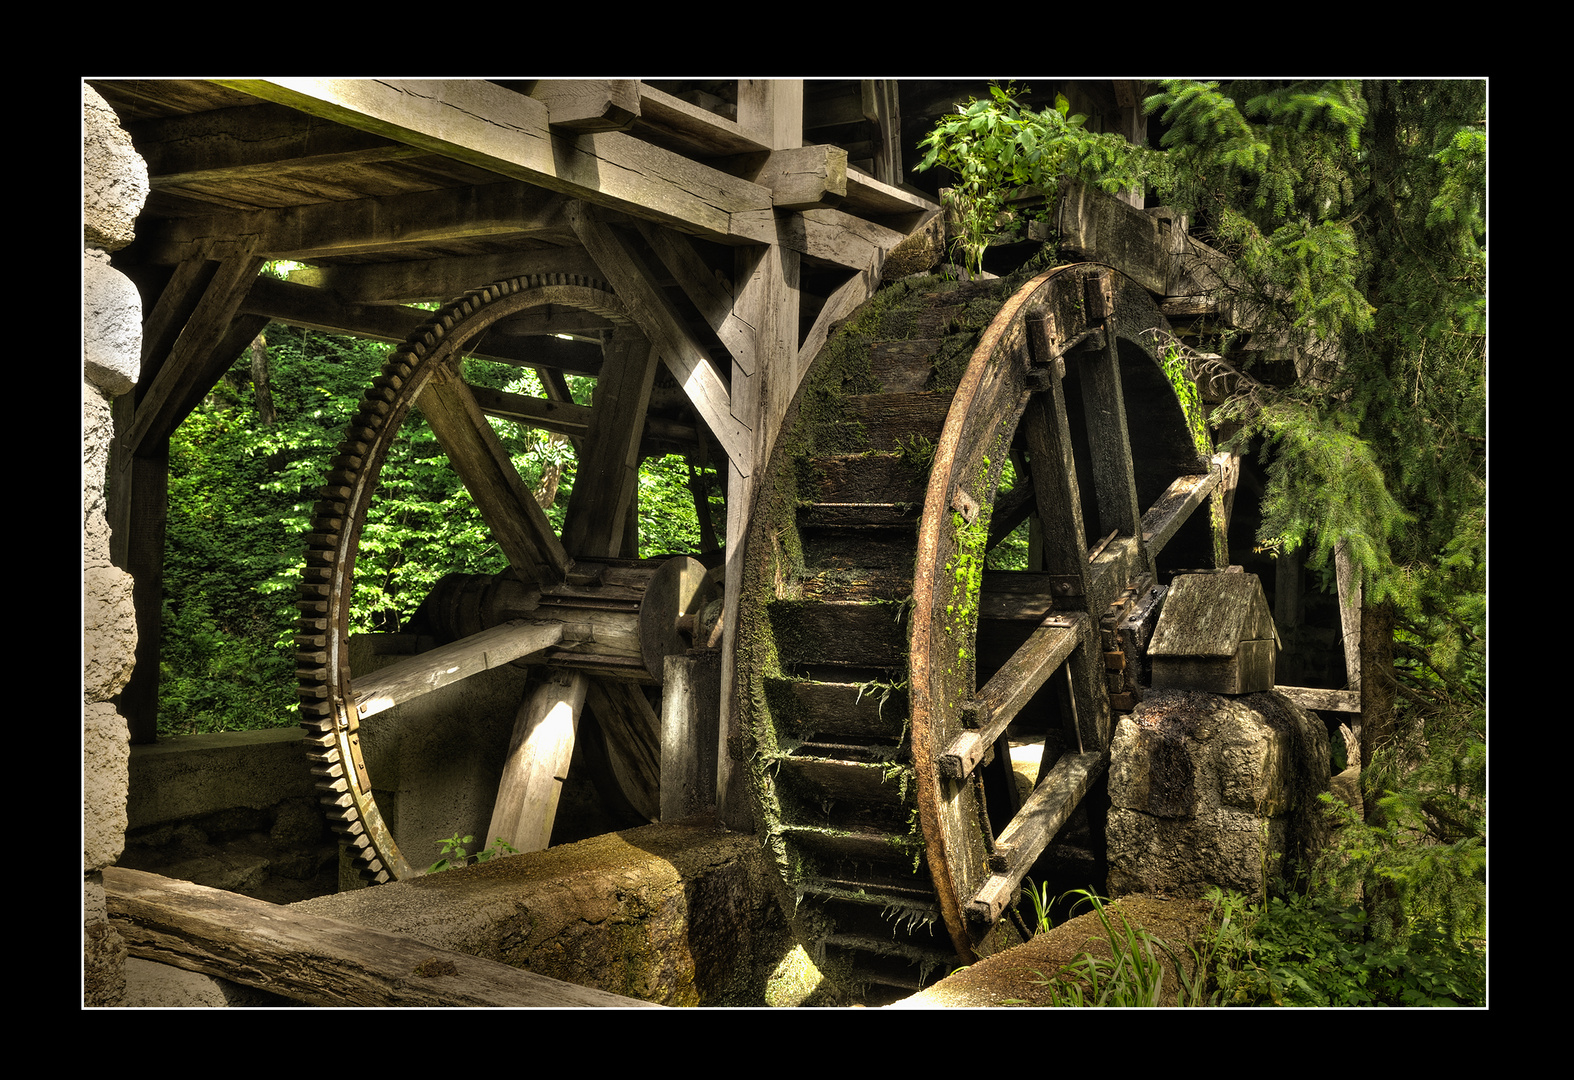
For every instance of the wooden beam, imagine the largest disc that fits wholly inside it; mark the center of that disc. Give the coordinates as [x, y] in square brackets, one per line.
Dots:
[709, 295]
[418, 675]
[636, 285]
[806, 177]
[439, 279]
[579, 105]
[320, 961]
[494, 128]
[632, 733]
[608, 476]
[252, 142]
[537, 762]
[1323, 700]
[479, 457]
[999, 700]
[363, 227]
[690, 705]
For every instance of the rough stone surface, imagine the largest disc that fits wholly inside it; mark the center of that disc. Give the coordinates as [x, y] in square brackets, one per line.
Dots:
[111, 326]
[151, 985]
[675, 914]
[114, 177]
[105, 753]
[103, 949]
[109, 631]
[1210, 791]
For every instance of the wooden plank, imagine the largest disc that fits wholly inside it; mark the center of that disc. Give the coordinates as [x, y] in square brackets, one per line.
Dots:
[253, 142]
[1031, 830]
[842, 302]
[1000, 699]
[493, 127]
[537, 762]
[318, 960]
[439, 279]
[483, 463]
[192, 356]
[838, 238]
[712, 298]
[1165, 517]
[421, 674]
[1109, 440]
[648, 305]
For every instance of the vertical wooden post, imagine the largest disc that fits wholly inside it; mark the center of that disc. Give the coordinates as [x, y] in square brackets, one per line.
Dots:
[766, 298]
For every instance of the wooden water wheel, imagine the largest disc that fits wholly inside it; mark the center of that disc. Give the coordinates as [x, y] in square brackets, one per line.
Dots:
[884, 672]
[603, 624]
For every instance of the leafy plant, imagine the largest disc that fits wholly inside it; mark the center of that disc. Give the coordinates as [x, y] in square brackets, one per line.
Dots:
[997, 147]
[455, 852]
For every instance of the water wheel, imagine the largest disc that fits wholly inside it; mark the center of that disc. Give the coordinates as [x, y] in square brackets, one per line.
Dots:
[884, 671]
[601, 624]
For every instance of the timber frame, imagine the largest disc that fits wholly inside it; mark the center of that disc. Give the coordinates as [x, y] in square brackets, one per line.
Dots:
[737, 221]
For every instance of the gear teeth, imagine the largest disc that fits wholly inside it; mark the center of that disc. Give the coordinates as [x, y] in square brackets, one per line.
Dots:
[334, 535]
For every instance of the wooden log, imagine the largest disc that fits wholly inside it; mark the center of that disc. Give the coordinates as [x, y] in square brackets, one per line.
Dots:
[409, 679]
[538, 757]
[317, 960]
[1325, 700]
[1109, 438]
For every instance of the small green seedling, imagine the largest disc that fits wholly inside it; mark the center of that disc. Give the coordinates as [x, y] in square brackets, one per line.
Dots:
[456, 853]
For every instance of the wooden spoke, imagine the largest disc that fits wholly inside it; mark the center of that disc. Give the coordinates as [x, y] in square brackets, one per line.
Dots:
[484, 464]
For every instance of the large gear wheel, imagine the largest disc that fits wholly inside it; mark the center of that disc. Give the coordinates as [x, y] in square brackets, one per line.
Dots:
[884, 672]
[544, 577]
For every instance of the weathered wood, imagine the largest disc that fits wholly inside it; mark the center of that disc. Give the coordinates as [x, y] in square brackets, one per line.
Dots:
[505, 132]
[253, 143]
[838, 633]
[482, 462]
[1164, 518]
[438, 279]
[710, 296]
[193, 359]
[1000, 699]
[637, 287]
[1324, 700]
[806, 177]
[537, 762]
[608, 475]
[1109, 439]
[317, 960]
[365, 227]
[1031, 830]
[892, 420]
[1349, 584]
[575, 105]
[410, 678]
[632, 734]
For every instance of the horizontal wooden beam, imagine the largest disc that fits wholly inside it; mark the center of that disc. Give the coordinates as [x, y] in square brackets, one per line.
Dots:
[439, 279]
[495, 128]
[1162, 520]
[254, 142]
[314, 959]
[362, 227]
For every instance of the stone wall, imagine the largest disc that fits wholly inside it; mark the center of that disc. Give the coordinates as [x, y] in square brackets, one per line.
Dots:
[115, 185]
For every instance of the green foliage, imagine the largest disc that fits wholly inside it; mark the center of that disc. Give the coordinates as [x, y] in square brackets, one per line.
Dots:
[997, 147]
[1316, 950]
[455, 853]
